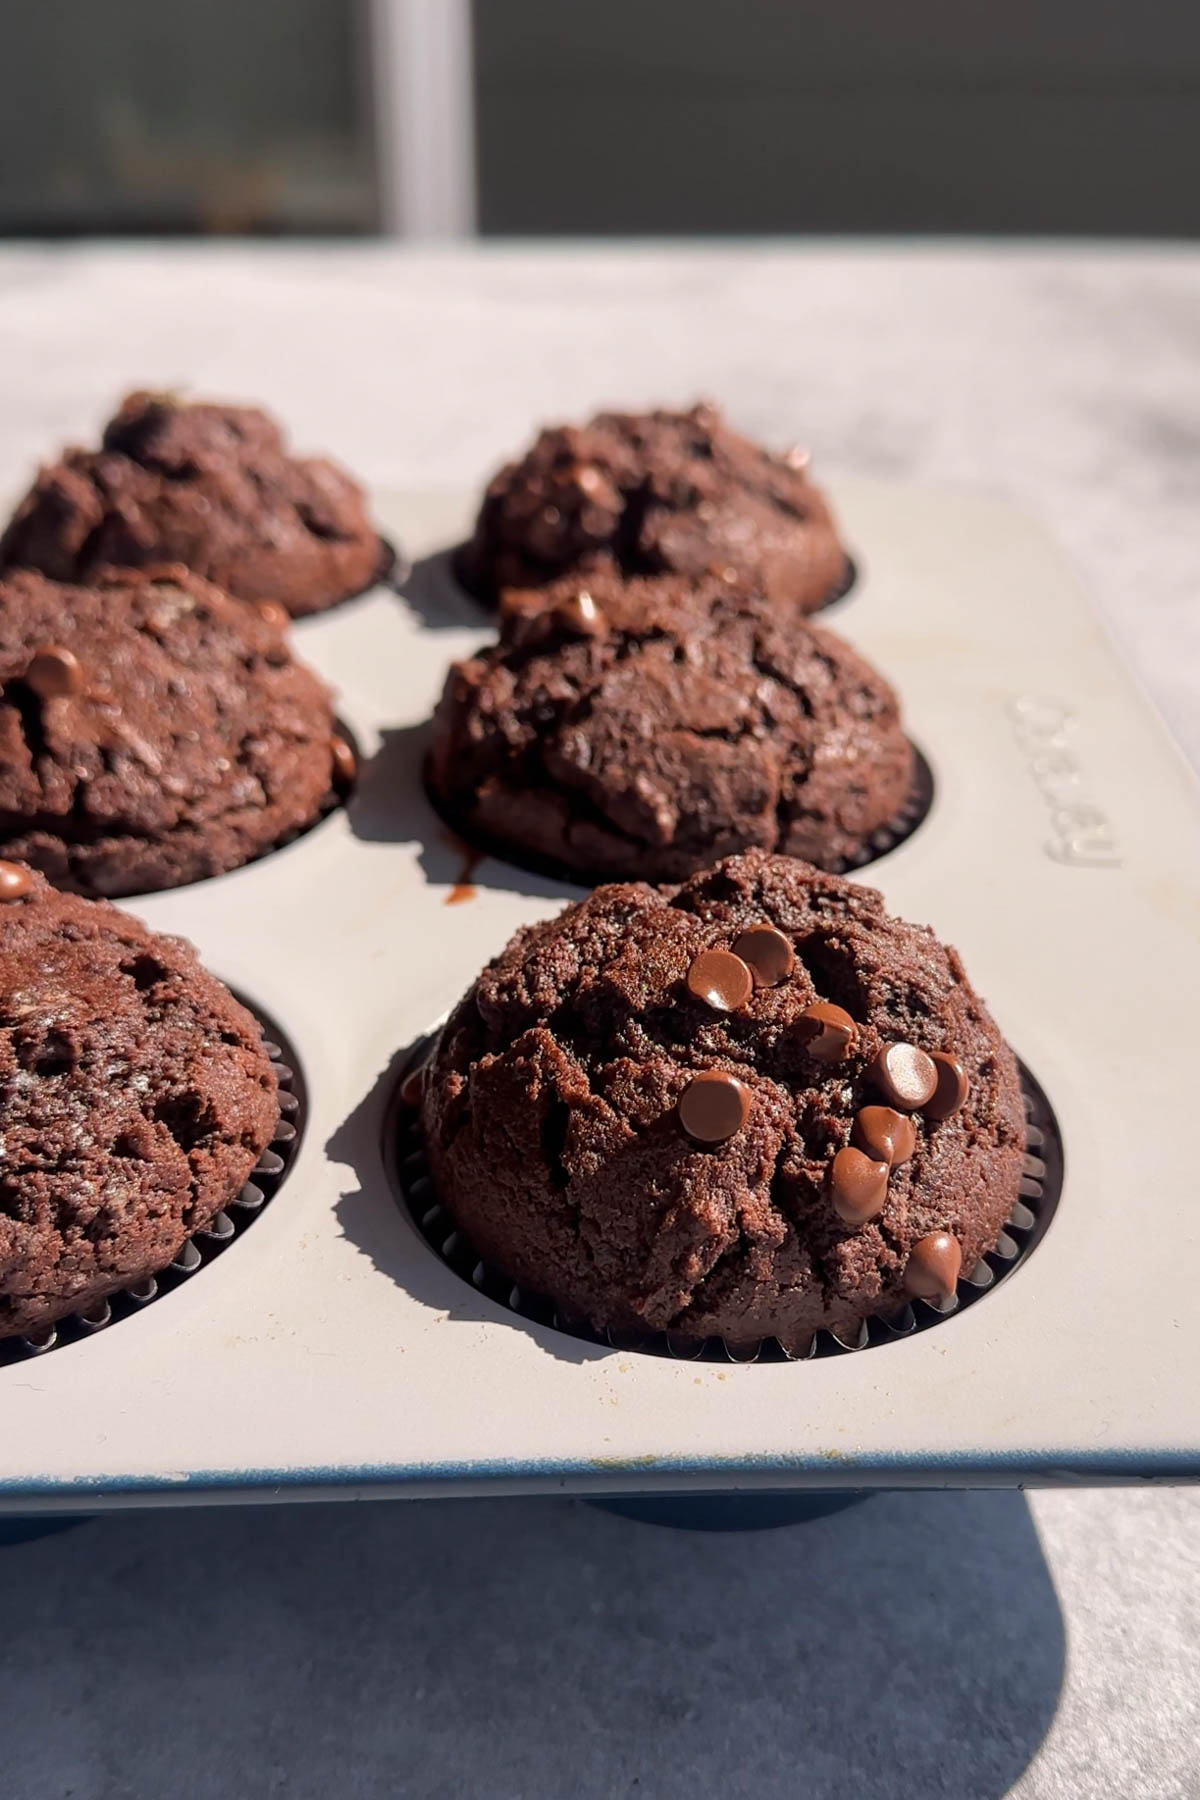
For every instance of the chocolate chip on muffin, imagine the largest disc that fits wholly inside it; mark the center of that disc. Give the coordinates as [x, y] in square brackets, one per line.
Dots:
[212, 487]
[687, 720]
[135, 1099]
[609, 1138]
[152, 731]
[652, 493]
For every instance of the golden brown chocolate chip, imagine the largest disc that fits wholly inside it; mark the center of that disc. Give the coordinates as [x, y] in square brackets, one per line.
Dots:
[713, 1106]
[579, 614]
[720, 979]
[273, 613]
[15, 880]
[933, 1266]
[345, 764]
[886, 1134]
[904, 1075]
[54, 673]
[857, 1186]
[828, 1030]
[952, 1087]
[767, 953]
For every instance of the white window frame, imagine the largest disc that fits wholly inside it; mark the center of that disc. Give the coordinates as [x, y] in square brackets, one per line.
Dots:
[423, 96]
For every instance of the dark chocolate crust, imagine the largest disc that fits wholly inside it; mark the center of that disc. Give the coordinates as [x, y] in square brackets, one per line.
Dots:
[194, 740]
[652, 493]
[549, 1111]
[213, 487]
[135, 1099]
[684, 721]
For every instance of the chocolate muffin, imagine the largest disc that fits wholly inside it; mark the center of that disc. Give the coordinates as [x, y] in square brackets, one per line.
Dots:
[152, 731]
[754, 1106]
[213, 487]
[135, 1099]
[648, 493]
[645, 727]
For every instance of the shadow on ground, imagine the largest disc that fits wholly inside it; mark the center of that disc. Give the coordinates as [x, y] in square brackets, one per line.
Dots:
[391, 806]
[528, 1650]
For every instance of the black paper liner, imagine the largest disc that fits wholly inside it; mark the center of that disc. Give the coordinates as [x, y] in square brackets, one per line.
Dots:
[394, 566]
[911, 816]
[206, 1245]
[886, 838]
[392, 569]
[845, 585]
[1040, 1190]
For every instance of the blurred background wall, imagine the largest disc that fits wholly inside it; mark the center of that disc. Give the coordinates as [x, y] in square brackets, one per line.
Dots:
[839, 115]
[661, 116]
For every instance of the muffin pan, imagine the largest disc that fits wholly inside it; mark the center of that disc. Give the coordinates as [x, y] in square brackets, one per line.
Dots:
[330, 1350]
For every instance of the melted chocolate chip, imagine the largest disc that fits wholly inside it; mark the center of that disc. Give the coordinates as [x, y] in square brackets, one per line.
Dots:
[767, 953]
[828, 1030]
[952, 1087]
[886, 1134]
[273, 613]
[413, 1086]
[904, 1075]
[713, 1106]
[720, 979]
[857, 1186]
[933, 1266]
[580, 615]
[54, 673]
[15, 880]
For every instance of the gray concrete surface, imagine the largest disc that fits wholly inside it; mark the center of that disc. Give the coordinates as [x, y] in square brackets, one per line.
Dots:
[965, 1646]
[535, 1650]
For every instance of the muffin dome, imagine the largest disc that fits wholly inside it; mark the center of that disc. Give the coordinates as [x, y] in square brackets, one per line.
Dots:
[619, 1125]
[152, 731]
[212, 487]
[643, 728]
[135, 1099]
[648, 493]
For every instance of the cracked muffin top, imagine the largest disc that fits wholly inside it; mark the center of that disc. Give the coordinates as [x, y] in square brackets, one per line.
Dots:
[754, 1106]
[135, 1099]
[652, 493]
[210, 486]
[152, 731]
[643, 728]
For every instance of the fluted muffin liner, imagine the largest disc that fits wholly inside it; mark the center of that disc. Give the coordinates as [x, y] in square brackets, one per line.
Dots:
[205, 1245]
[392, 570]
[912, 813]
[1038, 1196]
[341, 790]
[841, 590]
